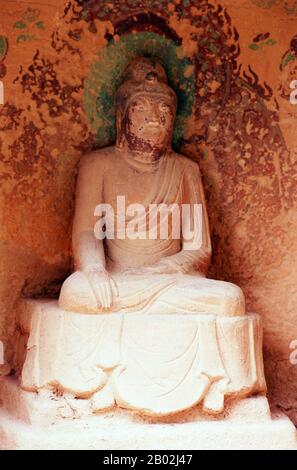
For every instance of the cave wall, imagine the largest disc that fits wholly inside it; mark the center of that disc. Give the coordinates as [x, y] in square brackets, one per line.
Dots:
[231, 64]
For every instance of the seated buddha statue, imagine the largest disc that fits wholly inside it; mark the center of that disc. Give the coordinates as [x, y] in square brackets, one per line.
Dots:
[141, 273]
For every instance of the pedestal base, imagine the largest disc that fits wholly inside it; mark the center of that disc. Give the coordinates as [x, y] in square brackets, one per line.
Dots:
[155, 364]
[116, 432]
[116, 382]
[31, 421]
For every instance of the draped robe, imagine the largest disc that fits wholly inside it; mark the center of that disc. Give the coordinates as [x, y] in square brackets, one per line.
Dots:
[183, 287]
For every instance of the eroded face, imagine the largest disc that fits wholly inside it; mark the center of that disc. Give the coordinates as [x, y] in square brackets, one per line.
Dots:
[149, 122]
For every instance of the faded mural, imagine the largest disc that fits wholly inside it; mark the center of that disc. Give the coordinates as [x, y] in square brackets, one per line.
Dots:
[231, 65]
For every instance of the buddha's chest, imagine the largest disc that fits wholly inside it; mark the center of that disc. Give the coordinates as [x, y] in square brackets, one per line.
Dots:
[138, 188]
[135, 188]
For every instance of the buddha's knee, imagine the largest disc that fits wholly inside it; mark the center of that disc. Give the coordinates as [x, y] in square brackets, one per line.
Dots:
[76, 294]
[234, 302]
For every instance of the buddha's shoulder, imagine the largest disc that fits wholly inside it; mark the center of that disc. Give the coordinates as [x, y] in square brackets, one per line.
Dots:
[185, 163]
[98, 159]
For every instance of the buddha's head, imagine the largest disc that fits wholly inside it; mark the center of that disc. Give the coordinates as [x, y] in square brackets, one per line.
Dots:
[145, 108]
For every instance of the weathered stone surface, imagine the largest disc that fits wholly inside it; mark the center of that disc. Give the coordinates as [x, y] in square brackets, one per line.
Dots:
[156, 364]
[250, 181]
[28, 422]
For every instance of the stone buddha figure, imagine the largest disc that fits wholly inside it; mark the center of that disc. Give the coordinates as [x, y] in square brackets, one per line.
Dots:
[141, 273]
[138, 325]
[140, 347]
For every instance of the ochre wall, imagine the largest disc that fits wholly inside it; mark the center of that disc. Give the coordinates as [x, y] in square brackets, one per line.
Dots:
[231, 64]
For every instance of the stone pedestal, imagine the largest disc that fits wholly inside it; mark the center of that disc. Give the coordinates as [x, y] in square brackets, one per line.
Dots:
[45, 421]
[155, 364]
[129, 381]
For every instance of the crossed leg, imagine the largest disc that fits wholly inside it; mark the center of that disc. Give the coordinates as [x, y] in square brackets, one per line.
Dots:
[157, 294]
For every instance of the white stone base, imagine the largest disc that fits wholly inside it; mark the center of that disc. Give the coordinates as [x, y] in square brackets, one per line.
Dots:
[155, 364]
[31, 421]
[116, 432]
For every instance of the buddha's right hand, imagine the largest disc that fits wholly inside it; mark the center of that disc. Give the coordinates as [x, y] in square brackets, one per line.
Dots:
[103, 286]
